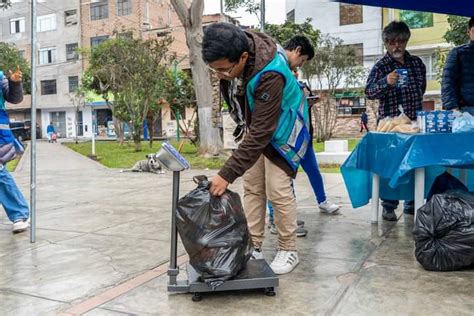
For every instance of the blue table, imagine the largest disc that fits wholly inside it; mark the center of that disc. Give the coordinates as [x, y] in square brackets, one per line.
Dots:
[398, 166]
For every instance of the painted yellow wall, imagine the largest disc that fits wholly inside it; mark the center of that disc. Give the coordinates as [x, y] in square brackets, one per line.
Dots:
[424, 36]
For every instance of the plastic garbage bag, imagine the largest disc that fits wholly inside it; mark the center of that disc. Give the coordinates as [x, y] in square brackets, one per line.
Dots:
[445, 182]
[214, 233]
[463, 122]
[444, 232]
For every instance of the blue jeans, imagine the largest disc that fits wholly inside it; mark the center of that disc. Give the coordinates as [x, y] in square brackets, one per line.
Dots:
[11, 197]
[310, 166]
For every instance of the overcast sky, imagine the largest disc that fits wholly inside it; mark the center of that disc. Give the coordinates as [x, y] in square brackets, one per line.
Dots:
[275, 13]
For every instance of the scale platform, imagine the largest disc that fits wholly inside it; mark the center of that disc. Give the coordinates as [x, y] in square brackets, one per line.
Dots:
[257, 275]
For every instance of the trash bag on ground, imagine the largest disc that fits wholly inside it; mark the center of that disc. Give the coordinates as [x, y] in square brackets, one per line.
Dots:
[214, 233]
[445, 182]
[444, 232]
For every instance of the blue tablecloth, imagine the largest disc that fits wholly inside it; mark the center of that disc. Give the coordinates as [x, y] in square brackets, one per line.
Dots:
[394, 157]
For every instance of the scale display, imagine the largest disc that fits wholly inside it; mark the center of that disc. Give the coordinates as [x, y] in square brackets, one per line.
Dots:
[171, 159]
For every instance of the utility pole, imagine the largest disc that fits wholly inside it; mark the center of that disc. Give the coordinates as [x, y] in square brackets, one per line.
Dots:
[33, 125]
[262, 16]
[222, 10]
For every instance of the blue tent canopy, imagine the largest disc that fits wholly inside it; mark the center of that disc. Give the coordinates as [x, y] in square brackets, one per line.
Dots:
[455, 7]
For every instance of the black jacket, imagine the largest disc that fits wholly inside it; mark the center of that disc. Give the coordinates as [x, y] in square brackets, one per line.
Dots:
[457, 88]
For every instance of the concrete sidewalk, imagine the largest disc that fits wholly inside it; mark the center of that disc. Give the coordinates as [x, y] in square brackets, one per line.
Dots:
[103, 246]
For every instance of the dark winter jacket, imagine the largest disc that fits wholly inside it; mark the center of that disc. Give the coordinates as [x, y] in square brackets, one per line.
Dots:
[457, 88]
[263, 120]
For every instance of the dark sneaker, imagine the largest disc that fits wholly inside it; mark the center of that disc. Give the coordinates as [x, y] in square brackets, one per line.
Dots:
[301, 232]
[300, 223]
[389, 215]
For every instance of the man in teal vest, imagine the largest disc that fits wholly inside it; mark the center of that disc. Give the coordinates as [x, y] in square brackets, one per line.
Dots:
[11, 197]
[271, 113]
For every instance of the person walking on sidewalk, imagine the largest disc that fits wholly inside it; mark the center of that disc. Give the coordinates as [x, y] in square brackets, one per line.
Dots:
[262, 92]
[50, 131]
[398, 79]
[11, 197]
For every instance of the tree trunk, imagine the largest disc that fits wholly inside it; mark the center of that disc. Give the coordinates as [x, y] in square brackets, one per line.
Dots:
[119, 132]
[137, 141]
[191, 18]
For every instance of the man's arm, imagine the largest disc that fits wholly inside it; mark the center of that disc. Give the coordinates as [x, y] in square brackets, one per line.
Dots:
[268, 97]
[449, 85]
[377, 85]
[12, 89]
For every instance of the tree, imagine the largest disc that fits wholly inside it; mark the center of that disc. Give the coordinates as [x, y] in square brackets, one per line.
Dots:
[334, 67]
[456, 35]
[78, 98]
[130, 69]
[282, 33]
[191, 19]
[457, 32]
[10, 58]
[251, 6]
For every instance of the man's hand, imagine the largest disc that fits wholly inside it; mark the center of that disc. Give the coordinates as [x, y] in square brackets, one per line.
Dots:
[218, 185]
[392, 78]
[16, 76]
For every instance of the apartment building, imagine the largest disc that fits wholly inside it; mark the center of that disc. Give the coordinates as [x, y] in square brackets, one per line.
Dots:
[59, 66]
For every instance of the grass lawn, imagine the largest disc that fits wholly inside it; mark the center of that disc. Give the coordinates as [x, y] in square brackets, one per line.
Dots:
[112, 155]
[12, 165]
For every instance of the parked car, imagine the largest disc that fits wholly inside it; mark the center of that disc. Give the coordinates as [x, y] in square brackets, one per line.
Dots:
[20, 131]
[38, 129]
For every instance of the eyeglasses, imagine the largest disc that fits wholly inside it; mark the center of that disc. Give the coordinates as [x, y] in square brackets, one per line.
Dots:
[221, 71]
[397, 41]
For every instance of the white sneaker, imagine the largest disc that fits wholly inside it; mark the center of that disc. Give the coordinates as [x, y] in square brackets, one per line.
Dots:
[257, 254]
[328, 207]
[20, 226]
[284, 262]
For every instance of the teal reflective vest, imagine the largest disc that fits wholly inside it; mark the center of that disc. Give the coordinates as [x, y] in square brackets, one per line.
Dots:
[291, 137]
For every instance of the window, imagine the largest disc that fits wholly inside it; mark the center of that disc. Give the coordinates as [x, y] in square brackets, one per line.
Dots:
[124, 7]
[350, 14]
[416, 20]
[48, 87]
[98, 39]
[349, 104]
[99, 10]
[430, 64]
[73, 83]
[71, 51]
[21, 53]
[47, 55]
[290, 16]
[17, 25]
[70, 17]
[46, 23]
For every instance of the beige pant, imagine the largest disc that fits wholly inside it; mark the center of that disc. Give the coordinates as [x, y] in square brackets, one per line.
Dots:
[263, 181]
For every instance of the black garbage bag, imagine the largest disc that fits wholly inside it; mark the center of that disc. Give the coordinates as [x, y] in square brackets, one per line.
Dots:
[444, 232]
[445, 182]
[214, 233]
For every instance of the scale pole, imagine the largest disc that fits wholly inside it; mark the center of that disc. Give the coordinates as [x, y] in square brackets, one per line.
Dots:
[173, 269]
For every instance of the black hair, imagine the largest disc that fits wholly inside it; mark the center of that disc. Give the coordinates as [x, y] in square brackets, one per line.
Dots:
[396, 30]
[471, 22]
[303, 42]
[223, 41]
